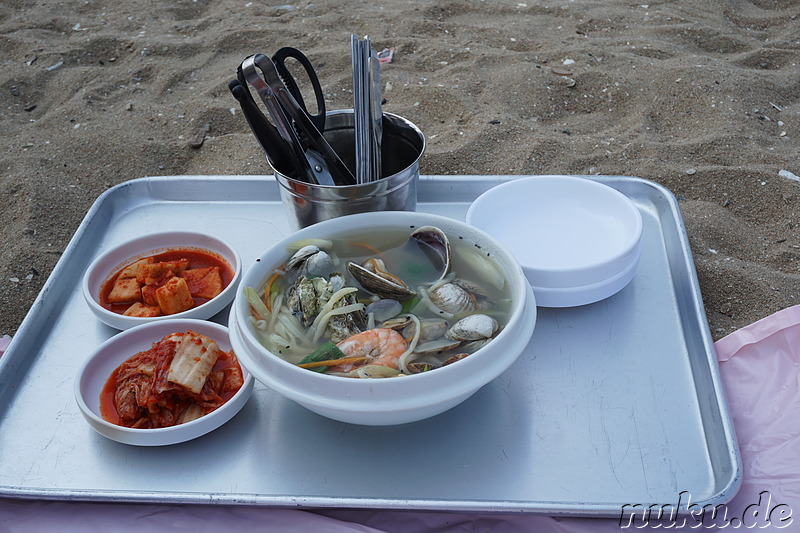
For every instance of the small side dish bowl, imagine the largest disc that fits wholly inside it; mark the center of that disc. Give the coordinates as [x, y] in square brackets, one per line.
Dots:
[98, 367]
[390, 400]
[108, 263]
[578, 240]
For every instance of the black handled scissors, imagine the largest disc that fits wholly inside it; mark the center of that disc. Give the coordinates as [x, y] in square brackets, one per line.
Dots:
[279, 59]
[314, 161]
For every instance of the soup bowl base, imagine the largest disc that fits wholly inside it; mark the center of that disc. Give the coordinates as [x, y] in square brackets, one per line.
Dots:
[374, 409]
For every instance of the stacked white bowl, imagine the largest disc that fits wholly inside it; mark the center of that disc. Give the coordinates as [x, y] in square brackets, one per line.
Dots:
[578, 241]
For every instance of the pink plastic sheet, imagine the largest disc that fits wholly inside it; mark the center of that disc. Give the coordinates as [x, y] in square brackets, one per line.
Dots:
[760, 366]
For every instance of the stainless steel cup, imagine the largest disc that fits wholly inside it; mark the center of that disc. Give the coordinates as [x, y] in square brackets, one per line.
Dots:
[402, 147]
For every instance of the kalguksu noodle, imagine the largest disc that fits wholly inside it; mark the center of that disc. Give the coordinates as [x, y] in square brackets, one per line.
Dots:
[380, 303]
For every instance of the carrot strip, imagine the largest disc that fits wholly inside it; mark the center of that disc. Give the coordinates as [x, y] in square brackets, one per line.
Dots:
[369, 247]
[268, 290]
[335, 362]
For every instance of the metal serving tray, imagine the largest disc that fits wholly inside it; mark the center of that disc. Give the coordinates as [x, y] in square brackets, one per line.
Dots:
[614, 403]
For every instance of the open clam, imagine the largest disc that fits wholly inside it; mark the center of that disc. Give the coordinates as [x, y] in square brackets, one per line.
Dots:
[437, 243]
[375, 278]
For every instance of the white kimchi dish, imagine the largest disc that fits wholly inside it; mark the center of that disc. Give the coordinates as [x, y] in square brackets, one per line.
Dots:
[95, 372]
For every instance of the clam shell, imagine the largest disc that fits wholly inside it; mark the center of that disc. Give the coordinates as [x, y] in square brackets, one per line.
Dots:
[474, 346]
[431, 329]
[436, 347]
[454, 359]
[384, 309]
[417, 367]
[438, 243]
[452, 298]
[473, 328]
[471, 287]
[397, 323]
[309, 260]
[373, 276]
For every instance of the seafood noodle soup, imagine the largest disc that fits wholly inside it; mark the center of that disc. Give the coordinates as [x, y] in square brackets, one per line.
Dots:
[381, 302]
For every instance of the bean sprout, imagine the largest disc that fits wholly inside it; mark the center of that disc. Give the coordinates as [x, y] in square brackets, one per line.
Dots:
[277, 303]
[292, 325]
[442, 281]
[403, 360]
[338, 295]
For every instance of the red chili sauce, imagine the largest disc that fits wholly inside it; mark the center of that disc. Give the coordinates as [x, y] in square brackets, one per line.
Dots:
[197, 258]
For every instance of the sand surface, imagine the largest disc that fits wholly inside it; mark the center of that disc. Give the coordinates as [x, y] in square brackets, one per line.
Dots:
[699, 96]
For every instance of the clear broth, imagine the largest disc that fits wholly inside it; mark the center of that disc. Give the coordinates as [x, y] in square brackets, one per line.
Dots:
[416, 264]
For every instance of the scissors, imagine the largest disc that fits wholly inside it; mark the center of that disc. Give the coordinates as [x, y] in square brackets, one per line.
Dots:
[302, 147]
[279, 59]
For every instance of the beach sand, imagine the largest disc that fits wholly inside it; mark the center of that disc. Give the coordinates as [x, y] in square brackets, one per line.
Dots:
[699, 96]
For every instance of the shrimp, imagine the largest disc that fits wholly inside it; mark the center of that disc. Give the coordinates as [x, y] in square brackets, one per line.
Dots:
[382, 345]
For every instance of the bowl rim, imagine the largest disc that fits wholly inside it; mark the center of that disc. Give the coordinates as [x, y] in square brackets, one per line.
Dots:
[260, 268]
[143, 334]
[626, 251]
[206, 310]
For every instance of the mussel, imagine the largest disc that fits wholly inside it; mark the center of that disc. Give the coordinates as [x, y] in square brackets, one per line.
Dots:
[306, 297]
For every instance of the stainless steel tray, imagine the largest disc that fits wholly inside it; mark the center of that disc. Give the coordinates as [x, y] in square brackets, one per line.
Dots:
[613, 403]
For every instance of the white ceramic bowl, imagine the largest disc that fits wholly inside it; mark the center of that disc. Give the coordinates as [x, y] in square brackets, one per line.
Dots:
[95, 371]
[393, 400]
[578, 241]
[108, 263]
